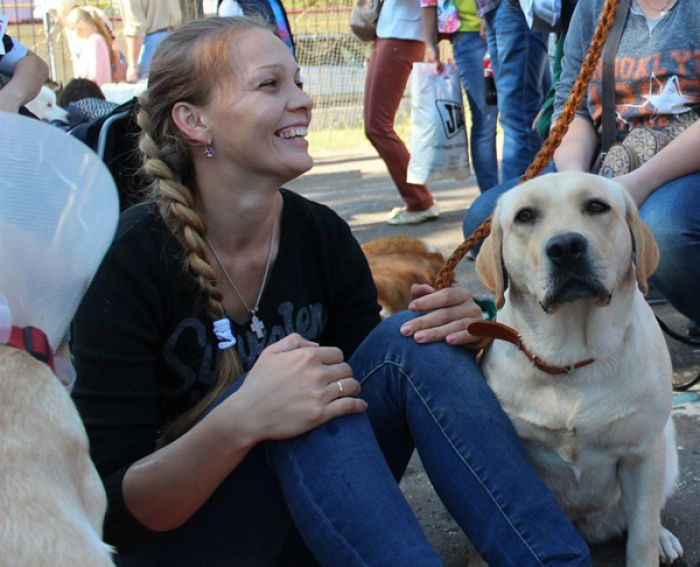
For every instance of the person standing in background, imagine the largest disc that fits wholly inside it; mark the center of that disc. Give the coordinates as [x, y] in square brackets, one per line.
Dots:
[399, 44]
[521, 69]
[460, 22]
[146, 24]
[90, 47]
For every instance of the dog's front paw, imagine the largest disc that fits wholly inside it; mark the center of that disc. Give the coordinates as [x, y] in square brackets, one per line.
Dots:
[670, 548]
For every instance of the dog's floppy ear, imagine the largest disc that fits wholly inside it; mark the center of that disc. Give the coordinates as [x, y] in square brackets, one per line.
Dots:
[489, 263]
[645, 251]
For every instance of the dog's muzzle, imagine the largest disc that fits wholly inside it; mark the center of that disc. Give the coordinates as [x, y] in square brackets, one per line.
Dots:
[571, 274]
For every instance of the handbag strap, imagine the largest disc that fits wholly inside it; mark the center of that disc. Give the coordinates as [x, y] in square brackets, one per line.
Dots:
[609, 52]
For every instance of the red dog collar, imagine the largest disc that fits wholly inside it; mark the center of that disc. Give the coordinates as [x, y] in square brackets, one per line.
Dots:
[33, 341]
[496, 330]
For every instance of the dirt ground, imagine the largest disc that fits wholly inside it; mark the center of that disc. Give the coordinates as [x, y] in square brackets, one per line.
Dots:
[358, 187]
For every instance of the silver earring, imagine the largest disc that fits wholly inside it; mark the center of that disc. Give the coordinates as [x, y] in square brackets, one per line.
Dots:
[208, 151]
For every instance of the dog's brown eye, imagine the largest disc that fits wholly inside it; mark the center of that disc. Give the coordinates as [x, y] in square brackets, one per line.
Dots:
[594, 206]
[525, 215]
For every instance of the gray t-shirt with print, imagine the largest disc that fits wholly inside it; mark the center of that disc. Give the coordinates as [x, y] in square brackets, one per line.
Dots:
[657, 66]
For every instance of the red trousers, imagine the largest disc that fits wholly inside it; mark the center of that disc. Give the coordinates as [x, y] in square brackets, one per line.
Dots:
[388, 70]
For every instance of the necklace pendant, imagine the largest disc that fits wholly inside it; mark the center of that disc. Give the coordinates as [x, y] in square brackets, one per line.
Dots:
[257, 326]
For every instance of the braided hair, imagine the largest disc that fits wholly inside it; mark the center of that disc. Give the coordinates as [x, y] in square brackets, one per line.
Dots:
[188, 66]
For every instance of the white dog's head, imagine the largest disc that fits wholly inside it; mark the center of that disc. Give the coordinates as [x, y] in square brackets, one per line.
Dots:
[45, 107]
[565, 237]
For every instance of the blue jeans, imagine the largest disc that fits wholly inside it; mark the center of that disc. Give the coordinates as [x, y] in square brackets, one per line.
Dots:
[672, 212]
[469, 49]
[150, 43]
[333, 483]
[521, 69]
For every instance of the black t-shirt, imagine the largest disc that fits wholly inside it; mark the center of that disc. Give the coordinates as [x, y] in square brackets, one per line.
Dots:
[145, 352]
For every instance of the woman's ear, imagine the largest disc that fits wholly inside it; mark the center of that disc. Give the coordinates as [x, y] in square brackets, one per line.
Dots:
[192, 121]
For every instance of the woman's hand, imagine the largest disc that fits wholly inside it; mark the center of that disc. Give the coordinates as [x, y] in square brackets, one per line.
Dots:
[296, 385]
[432, 55]
[680, 157]
[448, 313]
[292, 388]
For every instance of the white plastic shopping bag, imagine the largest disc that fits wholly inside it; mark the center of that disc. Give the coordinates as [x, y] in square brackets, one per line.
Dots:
[438, 137]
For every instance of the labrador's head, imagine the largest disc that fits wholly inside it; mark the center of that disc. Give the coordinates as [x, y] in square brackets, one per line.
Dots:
[565, 237]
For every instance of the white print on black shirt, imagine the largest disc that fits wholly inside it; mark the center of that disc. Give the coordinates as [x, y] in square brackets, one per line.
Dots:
[308, 321]
[192, 339]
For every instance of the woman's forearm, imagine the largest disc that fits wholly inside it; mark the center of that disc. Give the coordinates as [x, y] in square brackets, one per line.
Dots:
[577, 148]
[165, 488]
[680, 157]
[429, 22]
[30, 73]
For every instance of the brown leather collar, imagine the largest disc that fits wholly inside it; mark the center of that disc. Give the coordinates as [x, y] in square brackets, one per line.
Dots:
[495, 330]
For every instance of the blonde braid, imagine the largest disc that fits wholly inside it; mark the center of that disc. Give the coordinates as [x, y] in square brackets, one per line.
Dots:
[176, 205]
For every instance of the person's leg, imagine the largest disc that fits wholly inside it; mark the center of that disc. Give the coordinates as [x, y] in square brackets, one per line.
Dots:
[344, 500]
[520, 66]
[469, 49]
[388, 69]
[435, 396]
[672, 212]
[332, 484]
[150, 42]
[483, 206]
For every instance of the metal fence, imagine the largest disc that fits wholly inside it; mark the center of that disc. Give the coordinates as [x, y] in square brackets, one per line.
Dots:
[333, 61]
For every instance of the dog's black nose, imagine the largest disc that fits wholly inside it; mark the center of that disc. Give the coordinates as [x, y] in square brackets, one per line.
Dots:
[566, 249]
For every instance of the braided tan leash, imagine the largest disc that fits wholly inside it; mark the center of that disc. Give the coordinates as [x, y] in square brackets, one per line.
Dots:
[556, 133]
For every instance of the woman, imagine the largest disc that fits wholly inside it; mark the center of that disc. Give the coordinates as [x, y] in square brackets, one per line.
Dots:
[91, 47]
[398, 46]
[211, 351]
[657, 83]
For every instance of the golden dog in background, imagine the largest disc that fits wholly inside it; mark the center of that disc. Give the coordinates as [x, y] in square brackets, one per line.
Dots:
[396, 263]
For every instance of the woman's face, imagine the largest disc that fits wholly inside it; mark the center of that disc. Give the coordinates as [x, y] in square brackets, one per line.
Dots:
[260, 116]
[82, 28]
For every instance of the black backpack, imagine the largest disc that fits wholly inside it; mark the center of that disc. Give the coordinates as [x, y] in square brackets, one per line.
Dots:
[115, 137]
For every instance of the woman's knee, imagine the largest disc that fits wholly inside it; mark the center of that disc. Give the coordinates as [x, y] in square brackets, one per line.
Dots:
[672, 213]
[386, 344]
[390, 328]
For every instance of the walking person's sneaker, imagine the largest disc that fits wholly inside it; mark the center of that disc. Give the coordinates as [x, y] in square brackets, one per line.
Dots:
[399, 215]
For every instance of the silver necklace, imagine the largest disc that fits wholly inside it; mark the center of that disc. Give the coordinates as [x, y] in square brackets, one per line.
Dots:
[256, 325]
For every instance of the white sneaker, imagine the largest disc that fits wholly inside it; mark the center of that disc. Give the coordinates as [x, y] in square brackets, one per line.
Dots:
[399, 215]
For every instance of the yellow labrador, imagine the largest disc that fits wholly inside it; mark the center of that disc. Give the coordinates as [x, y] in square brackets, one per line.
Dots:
[52, 502]
[589, 391]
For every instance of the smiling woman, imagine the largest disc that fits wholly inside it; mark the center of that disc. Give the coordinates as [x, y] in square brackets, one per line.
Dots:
[221, 347]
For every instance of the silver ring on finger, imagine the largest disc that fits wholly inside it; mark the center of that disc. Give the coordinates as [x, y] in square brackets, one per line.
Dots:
[340, 386]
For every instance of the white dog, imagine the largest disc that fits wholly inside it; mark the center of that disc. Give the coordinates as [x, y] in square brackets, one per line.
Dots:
[45, 107]
[588, 383]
